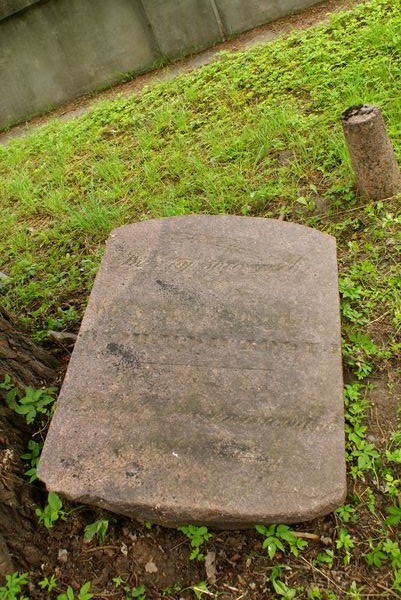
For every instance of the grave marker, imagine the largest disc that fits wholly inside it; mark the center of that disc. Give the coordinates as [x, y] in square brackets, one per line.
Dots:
[206, 383]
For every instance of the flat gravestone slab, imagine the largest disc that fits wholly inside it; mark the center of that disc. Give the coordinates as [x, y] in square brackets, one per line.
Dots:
[206, 384]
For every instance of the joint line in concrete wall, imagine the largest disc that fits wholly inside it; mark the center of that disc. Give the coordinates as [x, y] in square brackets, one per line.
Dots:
[151, 28]
[218, 19]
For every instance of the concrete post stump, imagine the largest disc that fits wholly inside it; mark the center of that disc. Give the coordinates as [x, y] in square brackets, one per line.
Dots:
[376, 170]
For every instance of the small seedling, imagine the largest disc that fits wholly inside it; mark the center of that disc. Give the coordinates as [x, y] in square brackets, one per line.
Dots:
[308, 203]
[48, 584]
[197, 536]
[283, 590]
[33, 455]
[393, 552]
[83, 593]
[12, 590]
[174, 588]
[138, 593]
[370, 500]
[386, 551]
[98, 529]
[345, 542]
[118, 581]
[392, 485]
[34, 402]
[362, 455]
[394, 456]
[201, 589]
[10, 389]
[326, 558]
[376, 557]
[278, 535]
[347, 513]
[52, 511]
[353, 592]
[394, 513]
[316, 594]
[367, 457]
[279, 586]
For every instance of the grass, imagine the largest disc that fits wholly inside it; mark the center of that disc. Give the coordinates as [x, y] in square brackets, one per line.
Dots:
[255, 133]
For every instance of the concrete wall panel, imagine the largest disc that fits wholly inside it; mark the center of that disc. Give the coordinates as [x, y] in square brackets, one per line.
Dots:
[10, 7]
[183, 26]
[55, 51]
[240, 15]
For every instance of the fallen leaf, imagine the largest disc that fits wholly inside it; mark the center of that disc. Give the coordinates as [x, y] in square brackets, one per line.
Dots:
[210, 566]
[150, 567]
[124, 549]
[327, 541]
[62, 555]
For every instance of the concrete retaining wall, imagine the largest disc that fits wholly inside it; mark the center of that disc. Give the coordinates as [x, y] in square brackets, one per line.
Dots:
[54, 50]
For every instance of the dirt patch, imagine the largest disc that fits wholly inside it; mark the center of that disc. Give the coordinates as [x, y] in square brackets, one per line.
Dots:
[385, 399]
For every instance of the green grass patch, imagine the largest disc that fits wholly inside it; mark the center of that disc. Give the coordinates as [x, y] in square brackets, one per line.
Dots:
[254, 133]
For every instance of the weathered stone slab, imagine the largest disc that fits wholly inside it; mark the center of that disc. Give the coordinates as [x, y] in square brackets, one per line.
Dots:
[206, 385]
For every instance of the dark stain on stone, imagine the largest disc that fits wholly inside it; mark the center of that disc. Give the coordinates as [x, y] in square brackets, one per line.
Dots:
[69, 462]
[237, 451]
[73, 467]
[132, 471]
[169, 288]
[126, 357]
[152, 400]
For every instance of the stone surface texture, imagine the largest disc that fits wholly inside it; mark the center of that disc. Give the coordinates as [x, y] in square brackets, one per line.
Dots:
[206, 383]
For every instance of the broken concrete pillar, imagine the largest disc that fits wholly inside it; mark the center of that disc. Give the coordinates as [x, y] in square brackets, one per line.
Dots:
[376, 170]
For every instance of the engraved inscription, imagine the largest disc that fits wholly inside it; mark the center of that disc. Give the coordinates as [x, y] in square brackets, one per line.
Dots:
[131, 258]
[225, 243]
[266, 345]
[212, 352]
[172, 289]
[214, 267]
[231, 418]
[277, 319]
